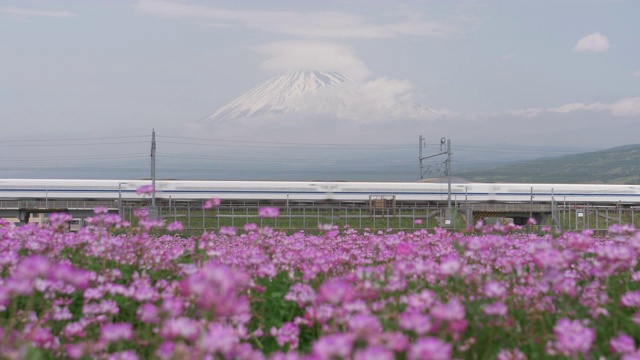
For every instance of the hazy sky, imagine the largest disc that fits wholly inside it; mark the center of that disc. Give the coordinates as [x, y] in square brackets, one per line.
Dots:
[564, 72]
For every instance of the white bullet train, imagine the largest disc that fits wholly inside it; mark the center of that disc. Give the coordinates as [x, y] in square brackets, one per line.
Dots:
[307, 191]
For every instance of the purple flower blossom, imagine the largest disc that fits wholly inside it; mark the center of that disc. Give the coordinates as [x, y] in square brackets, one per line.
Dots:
[181, 327]
[116, 332]
[572, 338]
[450, 265]
[100, 210]
[514, 354]
[430, 348]
[269, 212]
[172, 306]
[209, 204]
[148, 313]
[494, 289]
[622, 344]
[175, 226]
[364, 325]
[416, 322]
[287, 334]
[145, 190]
[123, 355]
[219, 339]
[58, 219]
[331, 346]
[499, 308]
[453, 310]
[165, 350]
[228, 231]
[374, 352]
[631, 299]
[301, 293]
[336, 291]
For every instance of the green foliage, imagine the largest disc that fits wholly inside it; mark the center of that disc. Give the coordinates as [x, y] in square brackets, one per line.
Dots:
[270, 309]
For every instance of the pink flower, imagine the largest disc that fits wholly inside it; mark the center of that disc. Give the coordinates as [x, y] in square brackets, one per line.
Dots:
[514, 354]
[123, 355]
[333, 346]
[364, 325]
[145, 189]
[336, 291]
[374, 352]
[494, 289]
[453, 310]
[572, 338]
[98, 210]
[287, 334]
[228, 230]
[180, 327]
[623, 344]
[417, 221]
[430, 348]
[172, 306]
[449, 265]
[498, 308]
[58, 219]
[249, 227]
[301, 293]
[631, 299]
[116, 332]
[75, 351]
[404, 248]
[175, 226]
[165, 350]
[415, 321]
[219, 339]
[148, 313]
[269, 212]
[211, 203]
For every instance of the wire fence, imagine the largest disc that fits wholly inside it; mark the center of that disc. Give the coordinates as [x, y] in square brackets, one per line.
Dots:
[404, 216]
[304, 217]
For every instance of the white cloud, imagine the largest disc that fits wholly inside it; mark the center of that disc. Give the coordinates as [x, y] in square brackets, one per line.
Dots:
[525, 113]
[319, 24]
[381, 99]
[595, 42]
[625, 107]
[20, 12]
[567, 108]
[289, 56]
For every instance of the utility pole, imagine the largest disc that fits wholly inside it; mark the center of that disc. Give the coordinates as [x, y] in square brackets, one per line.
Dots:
[153, 211]
[448, 171]
[420, 146]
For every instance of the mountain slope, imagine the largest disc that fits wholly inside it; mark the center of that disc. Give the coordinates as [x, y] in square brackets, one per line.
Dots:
[280, 94]
[620, 165]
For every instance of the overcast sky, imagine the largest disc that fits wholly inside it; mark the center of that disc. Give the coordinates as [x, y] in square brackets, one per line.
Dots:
[552, 73]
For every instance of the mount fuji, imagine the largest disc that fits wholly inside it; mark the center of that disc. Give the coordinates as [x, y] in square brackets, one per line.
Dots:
[323, 93]
[288, 93]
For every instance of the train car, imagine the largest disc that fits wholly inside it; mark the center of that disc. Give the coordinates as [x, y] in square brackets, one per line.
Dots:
[301, 191]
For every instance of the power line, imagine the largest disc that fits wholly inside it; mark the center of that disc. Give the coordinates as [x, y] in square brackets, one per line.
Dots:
[75, 139]
[281, 160]
[287, 144]
[66, 144]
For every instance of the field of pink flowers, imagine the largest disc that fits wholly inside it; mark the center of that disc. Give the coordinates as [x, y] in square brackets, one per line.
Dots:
[114, 291]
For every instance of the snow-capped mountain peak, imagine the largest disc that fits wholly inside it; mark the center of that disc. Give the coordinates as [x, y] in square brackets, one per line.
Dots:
[281, 94]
